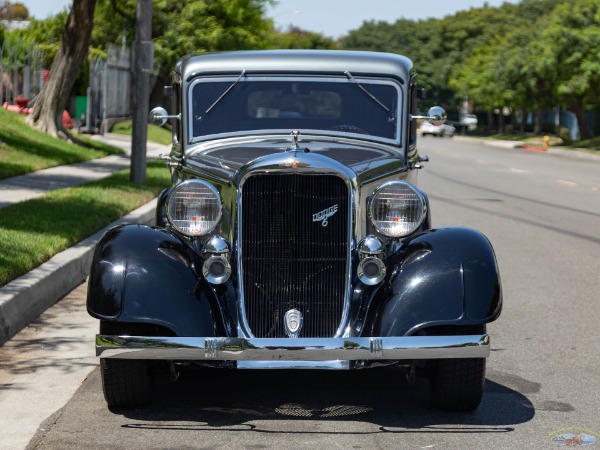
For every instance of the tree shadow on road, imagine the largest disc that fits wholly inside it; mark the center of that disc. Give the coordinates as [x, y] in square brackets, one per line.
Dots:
[240, 400]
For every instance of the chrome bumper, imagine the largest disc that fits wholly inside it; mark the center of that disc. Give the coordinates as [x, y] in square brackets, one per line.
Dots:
[301, 349]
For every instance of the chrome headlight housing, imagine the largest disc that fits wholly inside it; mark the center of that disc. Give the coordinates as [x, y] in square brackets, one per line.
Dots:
[397, 209]
[194, 207]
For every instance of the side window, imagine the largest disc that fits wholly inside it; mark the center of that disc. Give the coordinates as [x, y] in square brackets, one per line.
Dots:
[176, 108]
[412, 109]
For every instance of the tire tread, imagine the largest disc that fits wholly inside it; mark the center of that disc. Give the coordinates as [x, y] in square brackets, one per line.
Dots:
[458, 384]
[125, 382]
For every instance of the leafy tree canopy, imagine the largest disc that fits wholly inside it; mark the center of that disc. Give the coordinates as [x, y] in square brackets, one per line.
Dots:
[492, 55]
[297, 38]
[13, 11]
[535, 54]
[185, 27]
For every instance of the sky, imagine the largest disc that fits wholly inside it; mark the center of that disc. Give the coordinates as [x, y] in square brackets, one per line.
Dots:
[333, 18]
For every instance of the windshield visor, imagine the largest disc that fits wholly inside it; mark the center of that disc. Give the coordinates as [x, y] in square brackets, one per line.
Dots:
[247, 105]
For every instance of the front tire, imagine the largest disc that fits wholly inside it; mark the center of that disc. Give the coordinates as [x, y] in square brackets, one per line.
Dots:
[457, 384]
[125, 382]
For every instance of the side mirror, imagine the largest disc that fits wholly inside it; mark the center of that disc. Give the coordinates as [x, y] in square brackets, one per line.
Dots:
[436, 115]
[158, 116]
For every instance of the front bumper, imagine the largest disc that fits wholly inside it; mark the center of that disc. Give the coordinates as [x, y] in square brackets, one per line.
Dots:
[300, 349]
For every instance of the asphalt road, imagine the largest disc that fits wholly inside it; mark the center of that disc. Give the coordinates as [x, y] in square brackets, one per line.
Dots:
[541, 213]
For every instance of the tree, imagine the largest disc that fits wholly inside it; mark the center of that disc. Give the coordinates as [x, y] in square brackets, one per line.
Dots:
[572, 36]
[447, 50]
[405, 37]
[49, 106]
[47, 31]
[297, 38]
[511, 71]
[13, 11]
[184, 27]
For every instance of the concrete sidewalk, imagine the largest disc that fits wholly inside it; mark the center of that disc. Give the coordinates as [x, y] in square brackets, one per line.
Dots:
[25, 298]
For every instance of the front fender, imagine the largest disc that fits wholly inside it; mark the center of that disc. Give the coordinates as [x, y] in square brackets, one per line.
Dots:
[147, 275]
[445, 276]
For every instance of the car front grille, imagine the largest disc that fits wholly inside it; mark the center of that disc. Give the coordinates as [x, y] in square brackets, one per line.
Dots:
[290, 260]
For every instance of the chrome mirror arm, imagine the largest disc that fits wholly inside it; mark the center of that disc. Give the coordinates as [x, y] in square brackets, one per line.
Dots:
[436, 115]
[158, 116]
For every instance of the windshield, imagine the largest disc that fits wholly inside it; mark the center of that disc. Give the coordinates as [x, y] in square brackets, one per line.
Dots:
[367, 108]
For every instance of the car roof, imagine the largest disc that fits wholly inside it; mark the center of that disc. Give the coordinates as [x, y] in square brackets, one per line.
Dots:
[332, 62]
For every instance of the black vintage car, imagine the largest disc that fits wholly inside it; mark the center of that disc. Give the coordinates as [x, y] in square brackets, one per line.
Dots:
[294, 235]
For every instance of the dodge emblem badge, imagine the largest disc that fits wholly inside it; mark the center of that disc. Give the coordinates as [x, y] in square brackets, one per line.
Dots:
[322, 216]
[293, 323]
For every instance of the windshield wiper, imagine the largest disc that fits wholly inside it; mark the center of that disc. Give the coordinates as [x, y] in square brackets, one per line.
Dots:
[371, 96]
[226, 91]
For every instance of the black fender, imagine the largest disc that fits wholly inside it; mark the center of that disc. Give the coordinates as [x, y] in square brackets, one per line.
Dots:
[142, 274]
[444, 276]
[161, 208]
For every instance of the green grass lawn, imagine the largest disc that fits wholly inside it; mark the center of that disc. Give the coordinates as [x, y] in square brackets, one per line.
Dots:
[593, 144]
[156, 134]
[24, 150]
[590, 145]
[526, 138]
[33, 231]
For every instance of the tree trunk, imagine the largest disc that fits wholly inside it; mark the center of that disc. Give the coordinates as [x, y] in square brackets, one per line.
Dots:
[54, 97]
[580, 114]
[513, 121]
[537, 125]
[501, 122]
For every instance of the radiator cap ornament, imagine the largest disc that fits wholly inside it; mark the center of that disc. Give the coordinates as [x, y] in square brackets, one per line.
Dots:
[294, 164]
[293, 323]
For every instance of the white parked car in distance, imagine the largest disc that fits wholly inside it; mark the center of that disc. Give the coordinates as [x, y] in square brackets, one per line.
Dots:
[437, 130]
[470, 120]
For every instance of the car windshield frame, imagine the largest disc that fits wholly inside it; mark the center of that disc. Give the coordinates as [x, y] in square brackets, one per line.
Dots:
[225, 95]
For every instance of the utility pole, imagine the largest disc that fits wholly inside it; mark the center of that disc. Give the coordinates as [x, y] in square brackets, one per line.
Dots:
[142, 68]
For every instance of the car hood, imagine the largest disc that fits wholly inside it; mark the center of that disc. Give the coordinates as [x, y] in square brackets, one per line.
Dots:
[224, 159]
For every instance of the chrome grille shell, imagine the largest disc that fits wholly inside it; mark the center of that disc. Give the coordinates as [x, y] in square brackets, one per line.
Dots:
[307, 167]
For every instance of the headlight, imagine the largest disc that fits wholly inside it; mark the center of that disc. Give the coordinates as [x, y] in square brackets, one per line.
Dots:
[397, 208]
[194, 207]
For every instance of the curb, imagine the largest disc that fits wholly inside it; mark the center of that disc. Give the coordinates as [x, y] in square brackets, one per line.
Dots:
[532, 148]
[25, 298]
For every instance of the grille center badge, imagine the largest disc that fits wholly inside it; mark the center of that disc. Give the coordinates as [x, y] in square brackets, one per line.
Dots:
[293, 322]
[322, 216]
